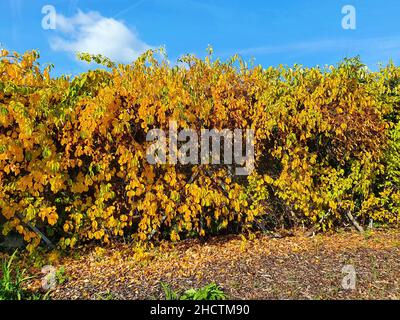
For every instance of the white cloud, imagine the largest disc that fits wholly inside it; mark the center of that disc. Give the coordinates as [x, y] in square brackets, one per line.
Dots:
[92, 33]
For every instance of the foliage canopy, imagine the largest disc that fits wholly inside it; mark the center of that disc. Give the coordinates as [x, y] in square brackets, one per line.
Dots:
[73, 150]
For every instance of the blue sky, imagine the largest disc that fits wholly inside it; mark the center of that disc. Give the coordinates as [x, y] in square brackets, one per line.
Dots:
[272, 32]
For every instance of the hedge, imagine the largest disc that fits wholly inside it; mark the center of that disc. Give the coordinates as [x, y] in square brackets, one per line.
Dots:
[73, 149]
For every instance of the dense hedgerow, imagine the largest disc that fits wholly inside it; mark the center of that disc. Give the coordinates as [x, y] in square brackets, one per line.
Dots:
[73, 150]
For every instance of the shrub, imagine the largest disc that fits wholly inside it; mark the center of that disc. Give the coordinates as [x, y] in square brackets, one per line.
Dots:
[210, 292]
[11, 283]
[73, 150]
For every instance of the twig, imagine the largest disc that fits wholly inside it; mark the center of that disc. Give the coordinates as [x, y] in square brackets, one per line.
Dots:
[314, 229]
[354, 222]
[38, 232]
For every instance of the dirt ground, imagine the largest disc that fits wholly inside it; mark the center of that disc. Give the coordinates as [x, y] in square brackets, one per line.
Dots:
[297, 267]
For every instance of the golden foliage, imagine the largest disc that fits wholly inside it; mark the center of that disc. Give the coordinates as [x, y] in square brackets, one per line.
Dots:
[73, 151]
